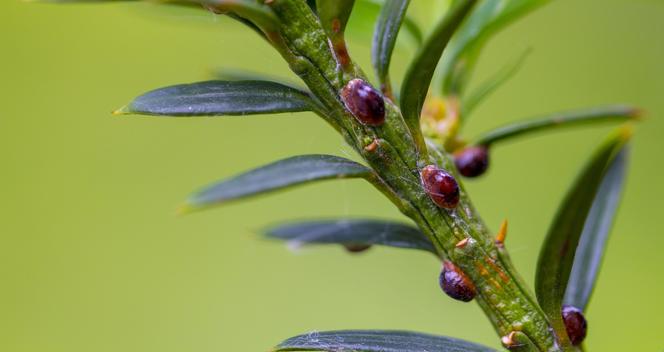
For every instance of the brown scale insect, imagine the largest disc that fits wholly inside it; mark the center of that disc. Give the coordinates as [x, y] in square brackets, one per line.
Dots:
[455, 283]
[441, 187]
[364, 102]
[356, 247]
[472, 161]
[575, 324]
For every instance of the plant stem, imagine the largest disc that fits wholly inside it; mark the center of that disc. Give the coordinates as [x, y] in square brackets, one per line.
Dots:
[391, 151]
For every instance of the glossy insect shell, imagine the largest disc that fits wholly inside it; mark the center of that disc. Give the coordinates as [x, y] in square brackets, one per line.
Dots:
[472, 161]
[455, 283]
[441, 187]
[575, 324]
[364, 102]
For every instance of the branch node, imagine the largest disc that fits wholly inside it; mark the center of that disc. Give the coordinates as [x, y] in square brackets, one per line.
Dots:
[462, 243]
[502, 233]
[371, 147]
[509, 340]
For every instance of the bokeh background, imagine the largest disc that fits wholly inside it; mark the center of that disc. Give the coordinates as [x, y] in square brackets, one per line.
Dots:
[93, 257]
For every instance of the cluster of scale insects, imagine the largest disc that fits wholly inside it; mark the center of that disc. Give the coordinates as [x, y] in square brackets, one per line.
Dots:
[367, 105]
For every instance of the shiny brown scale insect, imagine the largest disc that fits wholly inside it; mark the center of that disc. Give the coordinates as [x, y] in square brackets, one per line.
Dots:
[455, 283]
[364, 102]
[575, 324]
[441, 187]
[472, 161]
[356, 247]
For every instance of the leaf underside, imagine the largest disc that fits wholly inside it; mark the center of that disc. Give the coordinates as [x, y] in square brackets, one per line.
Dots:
[558, 250]
[362, 23]
[590, 251]
[420, 71]
[352, 232]
[235, 74]
[593, 116]
[377, 341]
[219, 98]
[385, 36]
[278, 175]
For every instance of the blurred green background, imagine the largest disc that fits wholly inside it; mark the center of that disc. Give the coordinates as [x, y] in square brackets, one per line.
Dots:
[93, 257]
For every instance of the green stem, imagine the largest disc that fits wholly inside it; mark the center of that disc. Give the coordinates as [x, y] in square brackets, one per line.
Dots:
[393, 154]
